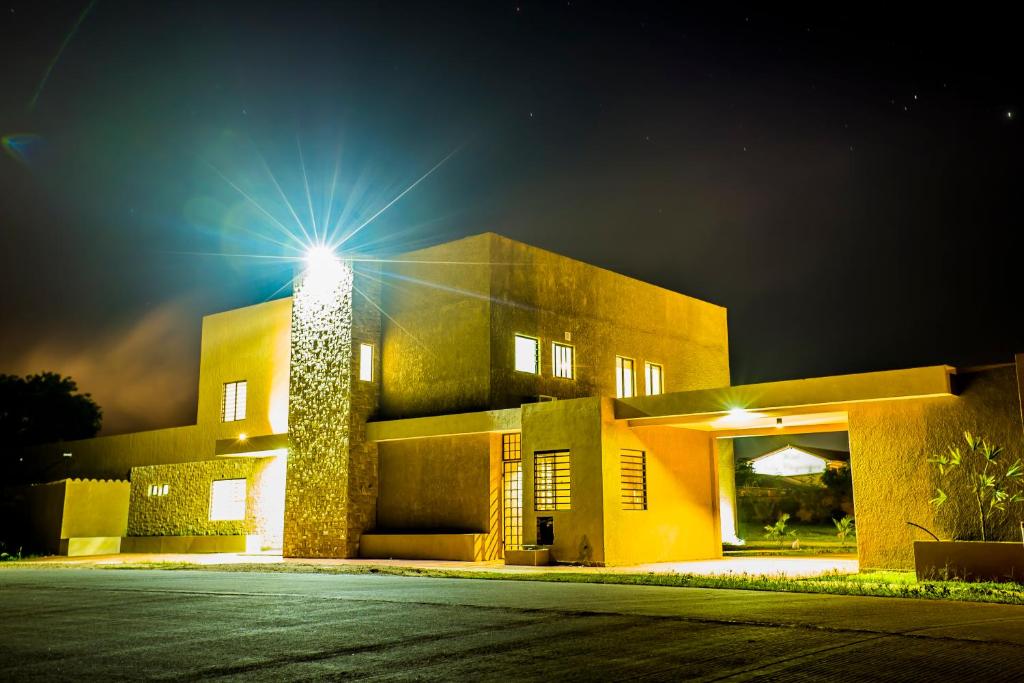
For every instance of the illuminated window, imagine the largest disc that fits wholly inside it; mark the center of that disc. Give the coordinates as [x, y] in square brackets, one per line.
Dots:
[227, 499]
[625, 377]
[366, 362]
[634, 479]
[159, 489]
[512, 490]
[233, 401]
[562, 361]
[655, 376]
[551, 481]
[527, 354]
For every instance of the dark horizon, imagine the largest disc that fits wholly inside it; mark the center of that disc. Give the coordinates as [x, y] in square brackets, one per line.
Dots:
[845, 184]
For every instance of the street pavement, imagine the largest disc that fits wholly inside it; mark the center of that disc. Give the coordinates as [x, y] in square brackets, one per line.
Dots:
[107, 624]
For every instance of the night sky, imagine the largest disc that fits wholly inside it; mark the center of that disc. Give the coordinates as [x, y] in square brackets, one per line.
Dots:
[847, 185]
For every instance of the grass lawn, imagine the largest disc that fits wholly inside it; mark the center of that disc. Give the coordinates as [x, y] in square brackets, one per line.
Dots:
[815, 539]
[884, 584]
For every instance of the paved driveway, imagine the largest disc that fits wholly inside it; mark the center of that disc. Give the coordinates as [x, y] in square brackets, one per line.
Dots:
[117, 624]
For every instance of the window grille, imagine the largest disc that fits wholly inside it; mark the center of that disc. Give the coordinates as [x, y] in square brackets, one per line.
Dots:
[625, 379]
[655, 379]
[562, 361]
[512, 490]
[233, 400]
[551, 481]
[634, 480]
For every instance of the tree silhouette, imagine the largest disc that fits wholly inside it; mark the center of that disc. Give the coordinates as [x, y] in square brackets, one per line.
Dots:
[43, 408]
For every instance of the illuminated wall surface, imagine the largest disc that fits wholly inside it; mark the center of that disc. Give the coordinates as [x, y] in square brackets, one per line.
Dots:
[331, 481]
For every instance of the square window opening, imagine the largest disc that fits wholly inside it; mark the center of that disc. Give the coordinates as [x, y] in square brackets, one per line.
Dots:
[527, 354]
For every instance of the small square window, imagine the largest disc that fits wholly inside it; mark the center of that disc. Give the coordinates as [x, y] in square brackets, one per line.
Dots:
[233, 401]
[655, 379]
[366, 362]
[227, 500]
[563, 361]
[527, 354]
[625, 377]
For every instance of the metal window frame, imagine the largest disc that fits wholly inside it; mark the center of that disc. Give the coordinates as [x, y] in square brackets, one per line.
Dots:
[512, 490]
[235, 417]
[367, 376]
[555, 347]
[647, 377]
[633, 479]
[552, 481]
[619, 370]
[536, 359]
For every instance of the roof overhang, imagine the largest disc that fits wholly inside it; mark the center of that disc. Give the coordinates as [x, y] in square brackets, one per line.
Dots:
[265, 446]
[805, 405]
[507, 420]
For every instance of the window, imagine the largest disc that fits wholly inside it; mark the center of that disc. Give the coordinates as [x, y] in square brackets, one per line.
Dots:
[634, 480]
[227, 499]
[562, 361]
[512, 489]
[527, 354]
[159, 489]
[366, 362]
[233, 401]
[655, 376]
[625, 379]
[551, 481]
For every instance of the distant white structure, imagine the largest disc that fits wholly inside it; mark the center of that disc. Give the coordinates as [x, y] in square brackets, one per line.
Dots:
[790, 461]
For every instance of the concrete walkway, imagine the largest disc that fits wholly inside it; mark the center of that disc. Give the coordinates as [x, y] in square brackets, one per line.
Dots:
[754, 566]
[81, 624]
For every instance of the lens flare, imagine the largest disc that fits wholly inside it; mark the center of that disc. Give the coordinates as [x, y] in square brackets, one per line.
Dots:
[21, 147]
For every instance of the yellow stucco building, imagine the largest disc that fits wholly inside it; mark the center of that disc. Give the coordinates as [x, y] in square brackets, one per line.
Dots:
[484, 395]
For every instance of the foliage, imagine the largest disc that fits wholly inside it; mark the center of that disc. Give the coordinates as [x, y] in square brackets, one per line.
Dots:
[991, 482]
[839, 481]
[844, 529]
[745, 475]
[43, 408]
[777, 531]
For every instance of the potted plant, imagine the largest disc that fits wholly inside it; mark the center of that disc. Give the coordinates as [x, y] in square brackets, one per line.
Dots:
[986, 488]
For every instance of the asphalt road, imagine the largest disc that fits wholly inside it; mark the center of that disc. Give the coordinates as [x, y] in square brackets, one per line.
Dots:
[128, 624]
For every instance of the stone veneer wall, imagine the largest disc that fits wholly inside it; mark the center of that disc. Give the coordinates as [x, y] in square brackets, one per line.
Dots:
[185, 510]
[332, 472]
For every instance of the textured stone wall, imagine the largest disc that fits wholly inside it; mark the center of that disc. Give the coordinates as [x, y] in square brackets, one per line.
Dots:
[185, 510]
[331, 485]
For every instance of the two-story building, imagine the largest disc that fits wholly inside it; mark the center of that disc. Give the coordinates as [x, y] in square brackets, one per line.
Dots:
[485, 394]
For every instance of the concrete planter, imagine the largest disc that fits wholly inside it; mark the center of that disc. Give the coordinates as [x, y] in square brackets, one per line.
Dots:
[969, 560]
[530, 557]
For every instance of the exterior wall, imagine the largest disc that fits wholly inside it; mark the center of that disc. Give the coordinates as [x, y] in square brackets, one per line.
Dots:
[449, 345]
[185, 510]
[893, 482]
[575, 426]
[251, 344]
[605, 314]
[95, 508]
[436, 344]
[681, 521]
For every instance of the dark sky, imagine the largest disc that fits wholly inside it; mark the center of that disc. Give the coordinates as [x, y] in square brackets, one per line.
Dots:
[847, 185]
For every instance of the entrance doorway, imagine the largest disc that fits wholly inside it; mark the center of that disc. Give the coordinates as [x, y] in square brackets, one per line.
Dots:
[794, 495]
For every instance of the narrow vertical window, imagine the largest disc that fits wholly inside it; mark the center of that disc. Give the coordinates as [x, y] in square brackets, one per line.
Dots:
[233, 401]
[625, 377]
[527, 354]
[562, 361]
[551, 481]
[512, 489]
[227, 499]
[366, 362]
[655, 379]
[634, 479]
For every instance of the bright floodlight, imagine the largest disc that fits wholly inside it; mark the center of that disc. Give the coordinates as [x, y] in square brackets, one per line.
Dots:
[321, 259]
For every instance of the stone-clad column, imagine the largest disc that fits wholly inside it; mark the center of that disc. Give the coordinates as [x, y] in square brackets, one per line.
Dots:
[319, 410]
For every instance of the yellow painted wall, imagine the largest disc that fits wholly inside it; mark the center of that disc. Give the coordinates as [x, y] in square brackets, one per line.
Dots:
[449, 345]
[251, 344]
[892, 480]
[681, 521]
[435, 343]
[573, 425]
[95, 508]
[446, 484]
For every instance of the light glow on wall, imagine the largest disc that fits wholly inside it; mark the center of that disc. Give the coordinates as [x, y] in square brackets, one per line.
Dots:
[227, 500]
